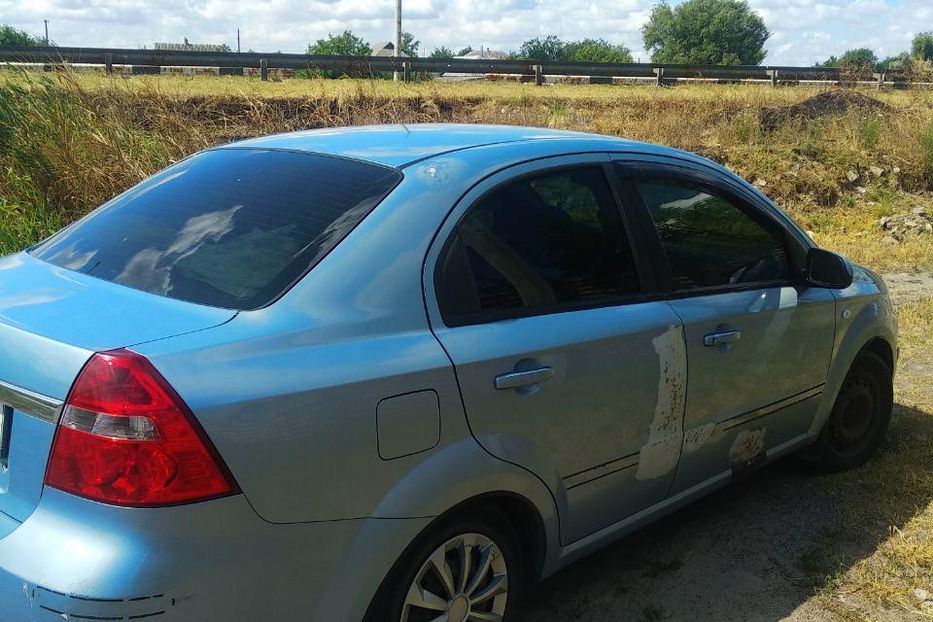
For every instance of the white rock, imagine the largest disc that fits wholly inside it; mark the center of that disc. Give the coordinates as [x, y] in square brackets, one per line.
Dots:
[877, 171]
[919, 210]
[861, 189]
[921, 594]
[852, 176]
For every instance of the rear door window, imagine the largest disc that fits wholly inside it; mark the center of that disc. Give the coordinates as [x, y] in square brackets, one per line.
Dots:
[547, 243]
[230, 228]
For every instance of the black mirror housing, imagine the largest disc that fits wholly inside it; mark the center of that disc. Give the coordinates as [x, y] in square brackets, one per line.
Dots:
[827, 269]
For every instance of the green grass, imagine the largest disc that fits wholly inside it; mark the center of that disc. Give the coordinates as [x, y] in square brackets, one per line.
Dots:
[926, 146]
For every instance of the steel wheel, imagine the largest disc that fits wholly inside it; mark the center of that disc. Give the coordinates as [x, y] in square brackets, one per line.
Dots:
[464, 580]
[853, 415]
[859, 417]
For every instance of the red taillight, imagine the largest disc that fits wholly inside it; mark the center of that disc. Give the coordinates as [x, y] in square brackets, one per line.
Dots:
[126, 438]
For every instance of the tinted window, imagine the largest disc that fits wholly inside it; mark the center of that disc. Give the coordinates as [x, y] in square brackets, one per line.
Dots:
[229, 228]
[708, 240]
[557, 239]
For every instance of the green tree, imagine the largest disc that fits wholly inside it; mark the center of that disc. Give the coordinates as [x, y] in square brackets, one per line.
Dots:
[717, 32]
[465, 51]
[344, 44]
[891, 63]
[442, 52]
[13, 36]
[922, 46]
[858, 58]
[596, 51]
[549, 48]
[410, 45]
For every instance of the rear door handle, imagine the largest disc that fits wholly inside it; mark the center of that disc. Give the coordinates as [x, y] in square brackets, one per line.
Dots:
[518, 379]
[728, 336]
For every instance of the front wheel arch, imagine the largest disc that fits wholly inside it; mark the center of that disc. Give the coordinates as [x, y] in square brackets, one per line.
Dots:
[882, 349]
[870, 369]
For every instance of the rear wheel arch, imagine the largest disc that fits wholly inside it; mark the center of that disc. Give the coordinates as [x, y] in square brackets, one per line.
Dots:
[522, 519]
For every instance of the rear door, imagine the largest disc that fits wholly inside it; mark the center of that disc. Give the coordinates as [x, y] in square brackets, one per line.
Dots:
[565, 367]
[758, 342]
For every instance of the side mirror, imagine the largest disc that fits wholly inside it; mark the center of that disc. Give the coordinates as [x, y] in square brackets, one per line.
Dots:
[826, 269]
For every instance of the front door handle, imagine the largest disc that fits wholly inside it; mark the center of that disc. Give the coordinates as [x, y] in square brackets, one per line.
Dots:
[519, 379]
[728, 336]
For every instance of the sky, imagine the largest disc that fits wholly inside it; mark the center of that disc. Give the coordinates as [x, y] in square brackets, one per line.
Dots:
[803, 31]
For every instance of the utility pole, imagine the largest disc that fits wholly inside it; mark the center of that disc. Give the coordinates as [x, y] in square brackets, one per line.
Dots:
[46, 32]
[398, 35]
[237, 40]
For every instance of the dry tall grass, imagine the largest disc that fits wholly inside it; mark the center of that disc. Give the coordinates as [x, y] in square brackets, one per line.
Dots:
[69, 142]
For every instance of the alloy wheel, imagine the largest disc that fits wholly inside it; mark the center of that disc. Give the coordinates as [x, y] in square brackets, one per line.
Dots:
[464, 580]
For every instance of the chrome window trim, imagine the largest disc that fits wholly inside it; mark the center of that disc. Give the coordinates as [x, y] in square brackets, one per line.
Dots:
[30, 403]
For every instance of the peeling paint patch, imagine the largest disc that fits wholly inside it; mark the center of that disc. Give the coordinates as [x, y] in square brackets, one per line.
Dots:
[660, 454]
[697, 437]
[438, 172]
[747, 445]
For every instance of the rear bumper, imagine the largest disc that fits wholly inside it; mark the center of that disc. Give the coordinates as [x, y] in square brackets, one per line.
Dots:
[213, 561]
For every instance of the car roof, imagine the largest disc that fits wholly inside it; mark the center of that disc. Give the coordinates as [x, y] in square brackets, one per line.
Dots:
[400, 145]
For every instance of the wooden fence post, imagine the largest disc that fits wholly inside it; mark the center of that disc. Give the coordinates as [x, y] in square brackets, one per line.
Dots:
[406, 70]
[774, 76]
[881, 77]
[659, 75]
[263, 69]
[108, 62]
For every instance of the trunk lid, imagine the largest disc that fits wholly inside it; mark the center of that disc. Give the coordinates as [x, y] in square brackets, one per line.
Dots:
[51, 321]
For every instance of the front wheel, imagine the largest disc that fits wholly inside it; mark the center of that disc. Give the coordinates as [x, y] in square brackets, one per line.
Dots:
[468, 570]
[860, 416]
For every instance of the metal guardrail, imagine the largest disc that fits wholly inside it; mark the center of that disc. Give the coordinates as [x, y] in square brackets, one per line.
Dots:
[151, 61]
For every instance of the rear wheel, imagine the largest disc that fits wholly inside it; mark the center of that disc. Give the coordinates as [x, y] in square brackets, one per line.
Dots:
[860, 415]
[466, 570]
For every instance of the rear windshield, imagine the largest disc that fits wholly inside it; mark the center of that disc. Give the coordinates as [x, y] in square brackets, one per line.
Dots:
[228, 228]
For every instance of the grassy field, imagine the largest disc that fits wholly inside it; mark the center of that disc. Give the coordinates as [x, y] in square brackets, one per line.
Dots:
[68, 143]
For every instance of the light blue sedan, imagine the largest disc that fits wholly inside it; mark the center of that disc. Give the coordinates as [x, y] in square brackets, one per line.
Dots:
[400, 373]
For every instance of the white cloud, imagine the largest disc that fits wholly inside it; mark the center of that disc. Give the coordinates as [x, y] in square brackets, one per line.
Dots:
[804, 31]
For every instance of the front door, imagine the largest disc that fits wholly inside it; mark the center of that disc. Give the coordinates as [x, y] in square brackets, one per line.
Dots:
[758, 343]
[564, 367]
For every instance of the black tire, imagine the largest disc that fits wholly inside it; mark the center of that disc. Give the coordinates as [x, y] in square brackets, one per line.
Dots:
[390, 601]
[859, 418]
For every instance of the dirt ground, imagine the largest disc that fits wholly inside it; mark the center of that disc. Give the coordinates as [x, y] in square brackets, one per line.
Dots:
[760, 550]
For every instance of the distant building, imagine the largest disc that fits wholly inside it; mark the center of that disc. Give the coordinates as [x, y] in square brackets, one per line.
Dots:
[191, 47]
[384, 48]
[485, 54]
[480, 54]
